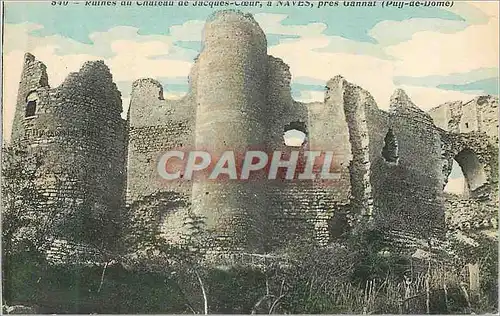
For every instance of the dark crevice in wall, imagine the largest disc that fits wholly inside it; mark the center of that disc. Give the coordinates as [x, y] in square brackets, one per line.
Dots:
[390, 150]
[31, 104]
[297, 125]
[30, 109]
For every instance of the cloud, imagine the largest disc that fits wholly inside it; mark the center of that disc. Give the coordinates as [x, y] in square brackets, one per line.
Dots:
[132, 61]
[484, 80]
[306, 96]
[304, 59]
[392, 32]
[485, 86]
[341, 45]
[189, 31]
[277, 32]
[275, 39]
[305, 80]
[424, 97]
[298, 86]
[294, 138]
[273, 24]
[434, 53]
[12, 67]
[456, 78]
[456, 180]
[174, 95]
[126, 105]
[408, 54]
[16, 36]
[456, 171]
[348, 22]
[476, 12]
[129, 54]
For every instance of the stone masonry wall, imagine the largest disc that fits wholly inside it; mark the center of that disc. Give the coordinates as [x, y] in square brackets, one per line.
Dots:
[302, 210]
[230, 115]
[392, 165]
[156, 127]
[248, 93]
[408, 182]
[355, 107]
[469, 133]
[78, 132]
[477, 115]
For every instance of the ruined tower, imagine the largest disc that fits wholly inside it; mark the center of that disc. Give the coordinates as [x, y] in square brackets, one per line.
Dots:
[239, 100]
[231, 107]
[78, 133]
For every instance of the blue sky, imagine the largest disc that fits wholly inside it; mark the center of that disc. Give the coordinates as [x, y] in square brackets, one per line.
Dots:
[77, 22]
[435, 54]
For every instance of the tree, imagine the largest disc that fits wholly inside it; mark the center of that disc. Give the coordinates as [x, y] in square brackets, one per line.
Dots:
[27, 220]
[25, 214]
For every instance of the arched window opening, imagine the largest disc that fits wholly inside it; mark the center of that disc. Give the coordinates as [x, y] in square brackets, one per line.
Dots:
[295, 134]
[472, 168]
[294, 138]
[31, 104]
[467, 174]
[390, 150]
[456, 181]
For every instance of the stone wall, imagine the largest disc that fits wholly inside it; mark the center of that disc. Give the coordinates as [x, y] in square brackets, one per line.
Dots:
[231, 107]
[77, 130]
[356, 103]
[392, 165]
[157, 126]
[391, 185]
[405, 155]
[248, 93]
[477, 115]
[469, 133]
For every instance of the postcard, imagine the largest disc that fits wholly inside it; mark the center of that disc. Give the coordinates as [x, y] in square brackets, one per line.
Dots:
[250, 157]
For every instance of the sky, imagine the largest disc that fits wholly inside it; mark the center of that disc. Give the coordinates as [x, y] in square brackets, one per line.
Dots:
[435, 54]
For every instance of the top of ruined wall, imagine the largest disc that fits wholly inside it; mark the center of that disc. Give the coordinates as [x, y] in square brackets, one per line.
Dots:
[401, 105]
[84, 110]
[77, 125]
[242, 25]
[38, 71]
[91, 89]
[94, 87]
[477, 115]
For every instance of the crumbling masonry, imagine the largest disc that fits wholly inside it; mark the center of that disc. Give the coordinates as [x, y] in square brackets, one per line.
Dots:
[394, 165]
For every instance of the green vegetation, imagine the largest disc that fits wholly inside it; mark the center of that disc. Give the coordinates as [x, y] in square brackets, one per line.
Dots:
[333, 280]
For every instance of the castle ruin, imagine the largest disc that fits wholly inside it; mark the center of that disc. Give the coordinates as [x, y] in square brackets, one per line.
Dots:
[393, 164]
